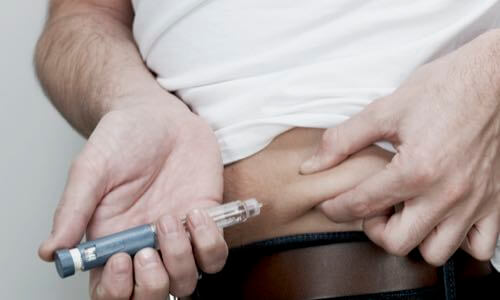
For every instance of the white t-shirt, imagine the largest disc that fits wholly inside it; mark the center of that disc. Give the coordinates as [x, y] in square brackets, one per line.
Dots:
[256, 68]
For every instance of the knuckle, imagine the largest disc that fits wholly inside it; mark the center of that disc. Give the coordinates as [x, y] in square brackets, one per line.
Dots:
[482, 252]
[115, 293]
[92, 160]
[400, 169]
[384, 121]
[179, 251]
[110, 293]
[78, 163]
[464, 184]
[360, 209]
[83, 164]
[360, 205]
[423, 174]
[329, 135]
[396, 247]
[214, 267]
[88, 169]
[156, 284]
[183, 286]
[331, 141]
[218, 262]
[434, 257]
[435, 261]
[456, 191]
[211, 247]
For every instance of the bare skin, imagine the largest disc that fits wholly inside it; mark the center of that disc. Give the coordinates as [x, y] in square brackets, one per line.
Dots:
[148, 158]
[445, 123]
[291, 199]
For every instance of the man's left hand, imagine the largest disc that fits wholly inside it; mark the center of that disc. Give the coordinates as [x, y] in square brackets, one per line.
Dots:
[444, 122]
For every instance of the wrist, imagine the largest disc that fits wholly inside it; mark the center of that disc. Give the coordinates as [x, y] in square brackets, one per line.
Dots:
[160, 110]
[157, 101]
[161, 98]
[152, 113]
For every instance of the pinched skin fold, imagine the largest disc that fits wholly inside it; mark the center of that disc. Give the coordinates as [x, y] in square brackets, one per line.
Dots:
[290, 199]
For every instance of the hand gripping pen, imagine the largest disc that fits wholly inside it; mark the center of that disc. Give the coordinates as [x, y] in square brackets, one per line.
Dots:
[92, 254]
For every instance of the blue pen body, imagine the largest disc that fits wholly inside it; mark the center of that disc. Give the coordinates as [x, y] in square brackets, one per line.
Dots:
[95, 253]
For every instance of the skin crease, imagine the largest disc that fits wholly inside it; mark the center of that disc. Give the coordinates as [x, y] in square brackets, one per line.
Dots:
[445, 123]
[289, 198]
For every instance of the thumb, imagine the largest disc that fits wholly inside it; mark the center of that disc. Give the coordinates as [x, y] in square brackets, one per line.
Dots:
[360, 131]
[82, 193]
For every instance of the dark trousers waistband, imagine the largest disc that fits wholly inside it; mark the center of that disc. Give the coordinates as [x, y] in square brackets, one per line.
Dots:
[329, 265]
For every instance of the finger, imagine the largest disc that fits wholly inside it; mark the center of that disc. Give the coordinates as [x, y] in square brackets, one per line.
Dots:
[94, 280]
[210, 248]
[401, 232]
[444, 240]
[177, 256]
[482, 238]
[361, 130]
[372, 196]
[151, 279]
[83, 191]
[115, 282]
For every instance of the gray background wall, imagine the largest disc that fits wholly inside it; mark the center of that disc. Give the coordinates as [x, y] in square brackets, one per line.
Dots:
[36, 148]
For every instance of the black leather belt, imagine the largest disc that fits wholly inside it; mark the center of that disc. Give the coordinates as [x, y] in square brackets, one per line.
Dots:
[327, 271]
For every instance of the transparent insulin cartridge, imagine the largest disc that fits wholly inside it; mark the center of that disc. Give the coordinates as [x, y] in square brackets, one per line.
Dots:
[92, 254]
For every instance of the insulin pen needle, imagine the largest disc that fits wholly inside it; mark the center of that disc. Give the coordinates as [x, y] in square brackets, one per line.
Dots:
[92, 254]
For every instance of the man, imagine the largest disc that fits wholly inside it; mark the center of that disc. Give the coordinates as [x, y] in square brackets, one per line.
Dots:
[150, 158]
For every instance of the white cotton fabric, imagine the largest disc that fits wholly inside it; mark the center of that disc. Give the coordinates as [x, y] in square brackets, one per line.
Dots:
[256, 68]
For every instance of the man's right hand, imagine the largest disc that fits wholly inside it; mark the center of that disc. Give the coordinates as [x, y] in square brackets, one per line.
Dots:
[145, 163]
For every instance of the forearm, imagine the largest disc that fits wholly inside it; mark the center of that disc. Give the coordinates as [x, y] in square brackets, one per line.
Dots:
[490, 63]
[88, 63]
[480, 70]
[495, 54]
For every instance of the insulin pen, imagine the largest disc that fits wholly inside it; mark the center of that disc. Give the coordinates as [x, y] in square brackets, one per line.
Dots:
[92, 254]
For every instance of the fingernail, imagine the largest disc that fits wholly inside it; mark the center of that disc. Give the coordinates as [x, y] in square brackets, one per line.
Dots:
[197, 218]
[120, 265]
[169, 225]
[147, 257]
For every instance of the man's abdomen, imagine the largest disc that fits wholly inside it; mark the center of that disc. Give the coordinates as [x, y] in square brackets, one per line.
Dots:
[290, 199]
